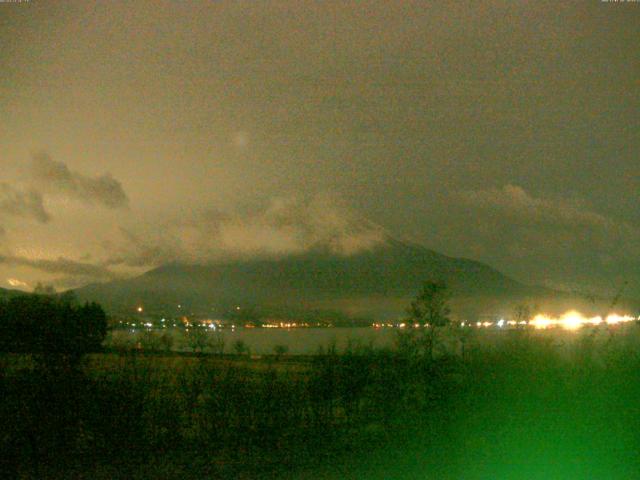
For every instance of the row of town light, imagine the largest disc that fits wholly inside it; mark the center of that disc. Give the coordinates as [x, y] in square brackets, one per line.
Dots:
[571, 320]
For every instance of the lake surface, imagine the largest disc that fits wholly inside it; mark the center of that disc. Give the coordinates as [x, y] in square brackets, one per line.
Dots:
[299, 341]
[306, 341]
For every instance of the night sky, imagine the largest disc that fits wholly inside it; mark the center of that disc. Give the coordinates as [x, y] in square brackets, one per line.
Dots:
[141, 132]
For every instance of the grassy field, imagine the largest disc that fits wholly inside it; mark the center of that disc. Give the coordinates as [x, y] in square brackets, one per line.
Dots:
[522, 406]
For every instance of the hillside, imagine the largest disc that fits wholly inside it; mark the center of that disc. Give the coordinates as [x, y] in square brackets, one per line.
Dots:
[376, 283]
[6, 293]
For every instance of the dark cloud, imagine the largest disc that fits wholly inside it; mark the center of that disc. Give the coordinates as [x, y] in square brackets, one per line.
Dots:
[55, 177]
[22, 203]
[71, 281]
[514, 204]
[62, 266]
[548, 240]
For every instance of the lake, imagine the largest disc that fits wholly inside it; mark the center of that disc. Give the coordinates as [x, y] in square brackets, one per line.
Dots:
[305, 341]
[299, 341]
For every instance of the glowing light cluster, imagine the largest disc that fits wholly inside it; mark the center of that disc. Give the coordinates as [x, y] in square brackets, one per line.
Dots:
[573, 320]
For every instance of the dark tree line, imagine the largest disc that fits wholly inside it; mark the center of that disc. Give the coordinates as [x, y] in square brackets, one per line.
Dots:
[51, 325]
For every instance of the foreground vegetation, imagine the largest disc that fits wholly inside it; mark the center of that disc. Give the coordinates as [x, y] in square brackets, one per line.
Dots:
[520, 409]
[445, 402]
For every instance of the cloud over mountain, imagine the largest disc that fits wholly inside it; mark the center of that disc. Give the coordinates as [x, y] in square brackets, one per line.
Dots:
[282, 226]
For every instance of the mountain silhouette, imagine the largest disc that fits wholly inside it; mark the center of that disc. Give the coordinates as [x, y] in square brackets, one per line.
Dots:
[375, 283]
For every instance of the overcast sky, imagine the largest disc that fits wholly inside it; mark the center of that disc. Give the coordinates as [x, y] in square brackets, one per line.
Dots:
[135, 133]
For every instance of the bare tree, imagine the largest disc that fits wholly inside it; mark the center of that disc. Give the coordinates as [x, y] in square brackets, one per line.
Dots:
[430, 311]
[522, 313]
